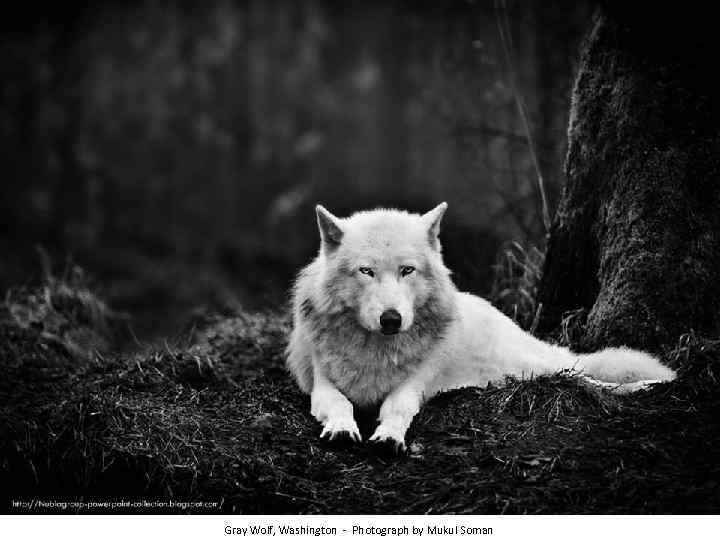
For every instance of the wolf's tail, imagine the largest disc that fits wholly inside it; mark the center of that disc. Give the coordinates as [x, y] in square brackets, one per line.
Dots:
[623, 369]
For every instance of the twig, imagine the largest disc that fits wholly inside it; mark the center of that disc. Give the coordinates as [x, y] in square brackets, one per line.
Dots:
[506, 39]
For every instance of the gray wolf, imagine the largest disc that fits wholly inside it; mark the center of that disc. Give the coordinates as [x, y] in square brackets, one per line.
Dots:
[378, 321]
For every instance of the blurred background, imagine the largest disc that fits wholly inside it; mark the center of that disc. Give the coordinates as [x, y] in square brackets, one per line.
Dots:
[176, 150]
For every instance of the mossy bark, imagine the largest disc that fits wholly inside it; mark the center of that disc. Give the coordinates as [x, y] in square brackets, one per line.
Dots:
[636, 238]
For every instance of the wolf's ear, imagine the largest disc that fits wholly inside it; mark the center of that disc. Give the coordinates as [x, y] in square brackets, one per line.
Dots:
[330, 231]
[432, 221]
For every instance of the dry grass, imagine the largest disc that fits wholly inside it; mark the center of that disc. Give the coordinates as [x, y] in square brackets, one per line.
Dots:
[516, 278]
[216, 417]
[64, 311]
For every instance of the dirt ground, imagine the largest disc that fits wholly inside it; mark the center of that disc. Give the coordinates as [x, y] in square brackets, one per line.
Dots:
[214, 416]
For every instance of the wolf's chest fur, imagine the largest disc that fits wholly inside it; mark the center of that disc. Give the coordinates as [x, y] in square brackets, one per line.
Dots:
[366, 375]
[365, 366]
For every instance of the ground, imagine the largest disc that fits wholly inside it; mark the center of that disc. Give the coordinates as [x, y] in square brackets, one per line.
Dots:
[215, 416]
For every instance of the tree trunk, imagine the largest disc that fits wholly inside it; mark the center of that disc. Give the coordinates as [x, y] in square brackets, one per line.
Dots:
[636, 238]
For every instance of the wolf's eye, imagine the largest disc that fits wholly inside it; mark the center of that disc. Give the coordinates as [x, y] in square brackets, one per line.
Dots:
[367, 271]
[406, 270]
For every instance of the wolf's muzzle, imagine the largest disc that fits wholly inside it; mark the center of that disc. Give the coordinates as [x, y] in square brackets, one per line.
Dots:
[390, 322]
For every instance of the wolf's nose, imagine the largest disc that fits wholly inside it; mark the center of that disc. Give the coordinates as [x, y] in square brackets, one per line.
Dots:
[390, 321]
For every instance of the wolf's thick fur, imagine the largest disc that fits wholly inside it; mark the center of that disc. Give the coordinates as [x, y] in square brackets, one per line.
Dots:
[385, 260]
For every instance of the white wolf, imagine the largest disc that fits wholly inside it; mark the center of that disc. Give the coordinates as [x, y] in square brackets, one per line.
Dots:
[377, 320]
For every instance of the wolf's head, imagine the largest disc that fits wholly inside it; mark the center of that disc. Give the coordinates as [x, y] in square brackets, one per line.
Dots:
[385, 266]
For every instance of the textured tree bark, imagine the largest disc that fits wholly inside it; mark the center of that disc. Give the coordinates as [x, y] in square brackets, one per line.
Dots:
[636, 237]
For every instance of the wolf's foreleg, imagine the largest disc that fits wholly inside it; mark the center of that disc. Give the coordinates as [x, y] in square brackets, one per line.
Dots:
[331, 408]
[397, 412]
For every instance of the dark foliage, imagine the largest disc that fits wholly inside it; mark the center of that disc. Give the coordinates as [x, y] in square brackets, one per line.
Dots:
[177, 150]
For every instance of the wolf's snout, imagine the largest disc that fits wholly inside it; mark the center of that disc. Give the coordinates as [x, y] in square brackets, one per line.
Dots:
[390, 322]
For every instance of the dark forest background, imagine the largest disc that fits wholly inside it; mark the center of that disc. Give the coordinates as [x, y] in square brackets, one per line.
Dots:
[160, 163]
[176, 150]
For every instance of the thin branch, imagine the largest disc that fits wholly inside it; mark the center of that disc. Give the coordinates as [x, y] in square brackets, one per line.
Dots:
[506, 40]
[490, 131]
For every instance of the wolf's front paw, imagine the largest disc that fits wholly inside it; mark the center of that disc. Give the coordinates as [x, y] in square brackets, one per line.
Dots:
[341, 429]
[388, 441]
